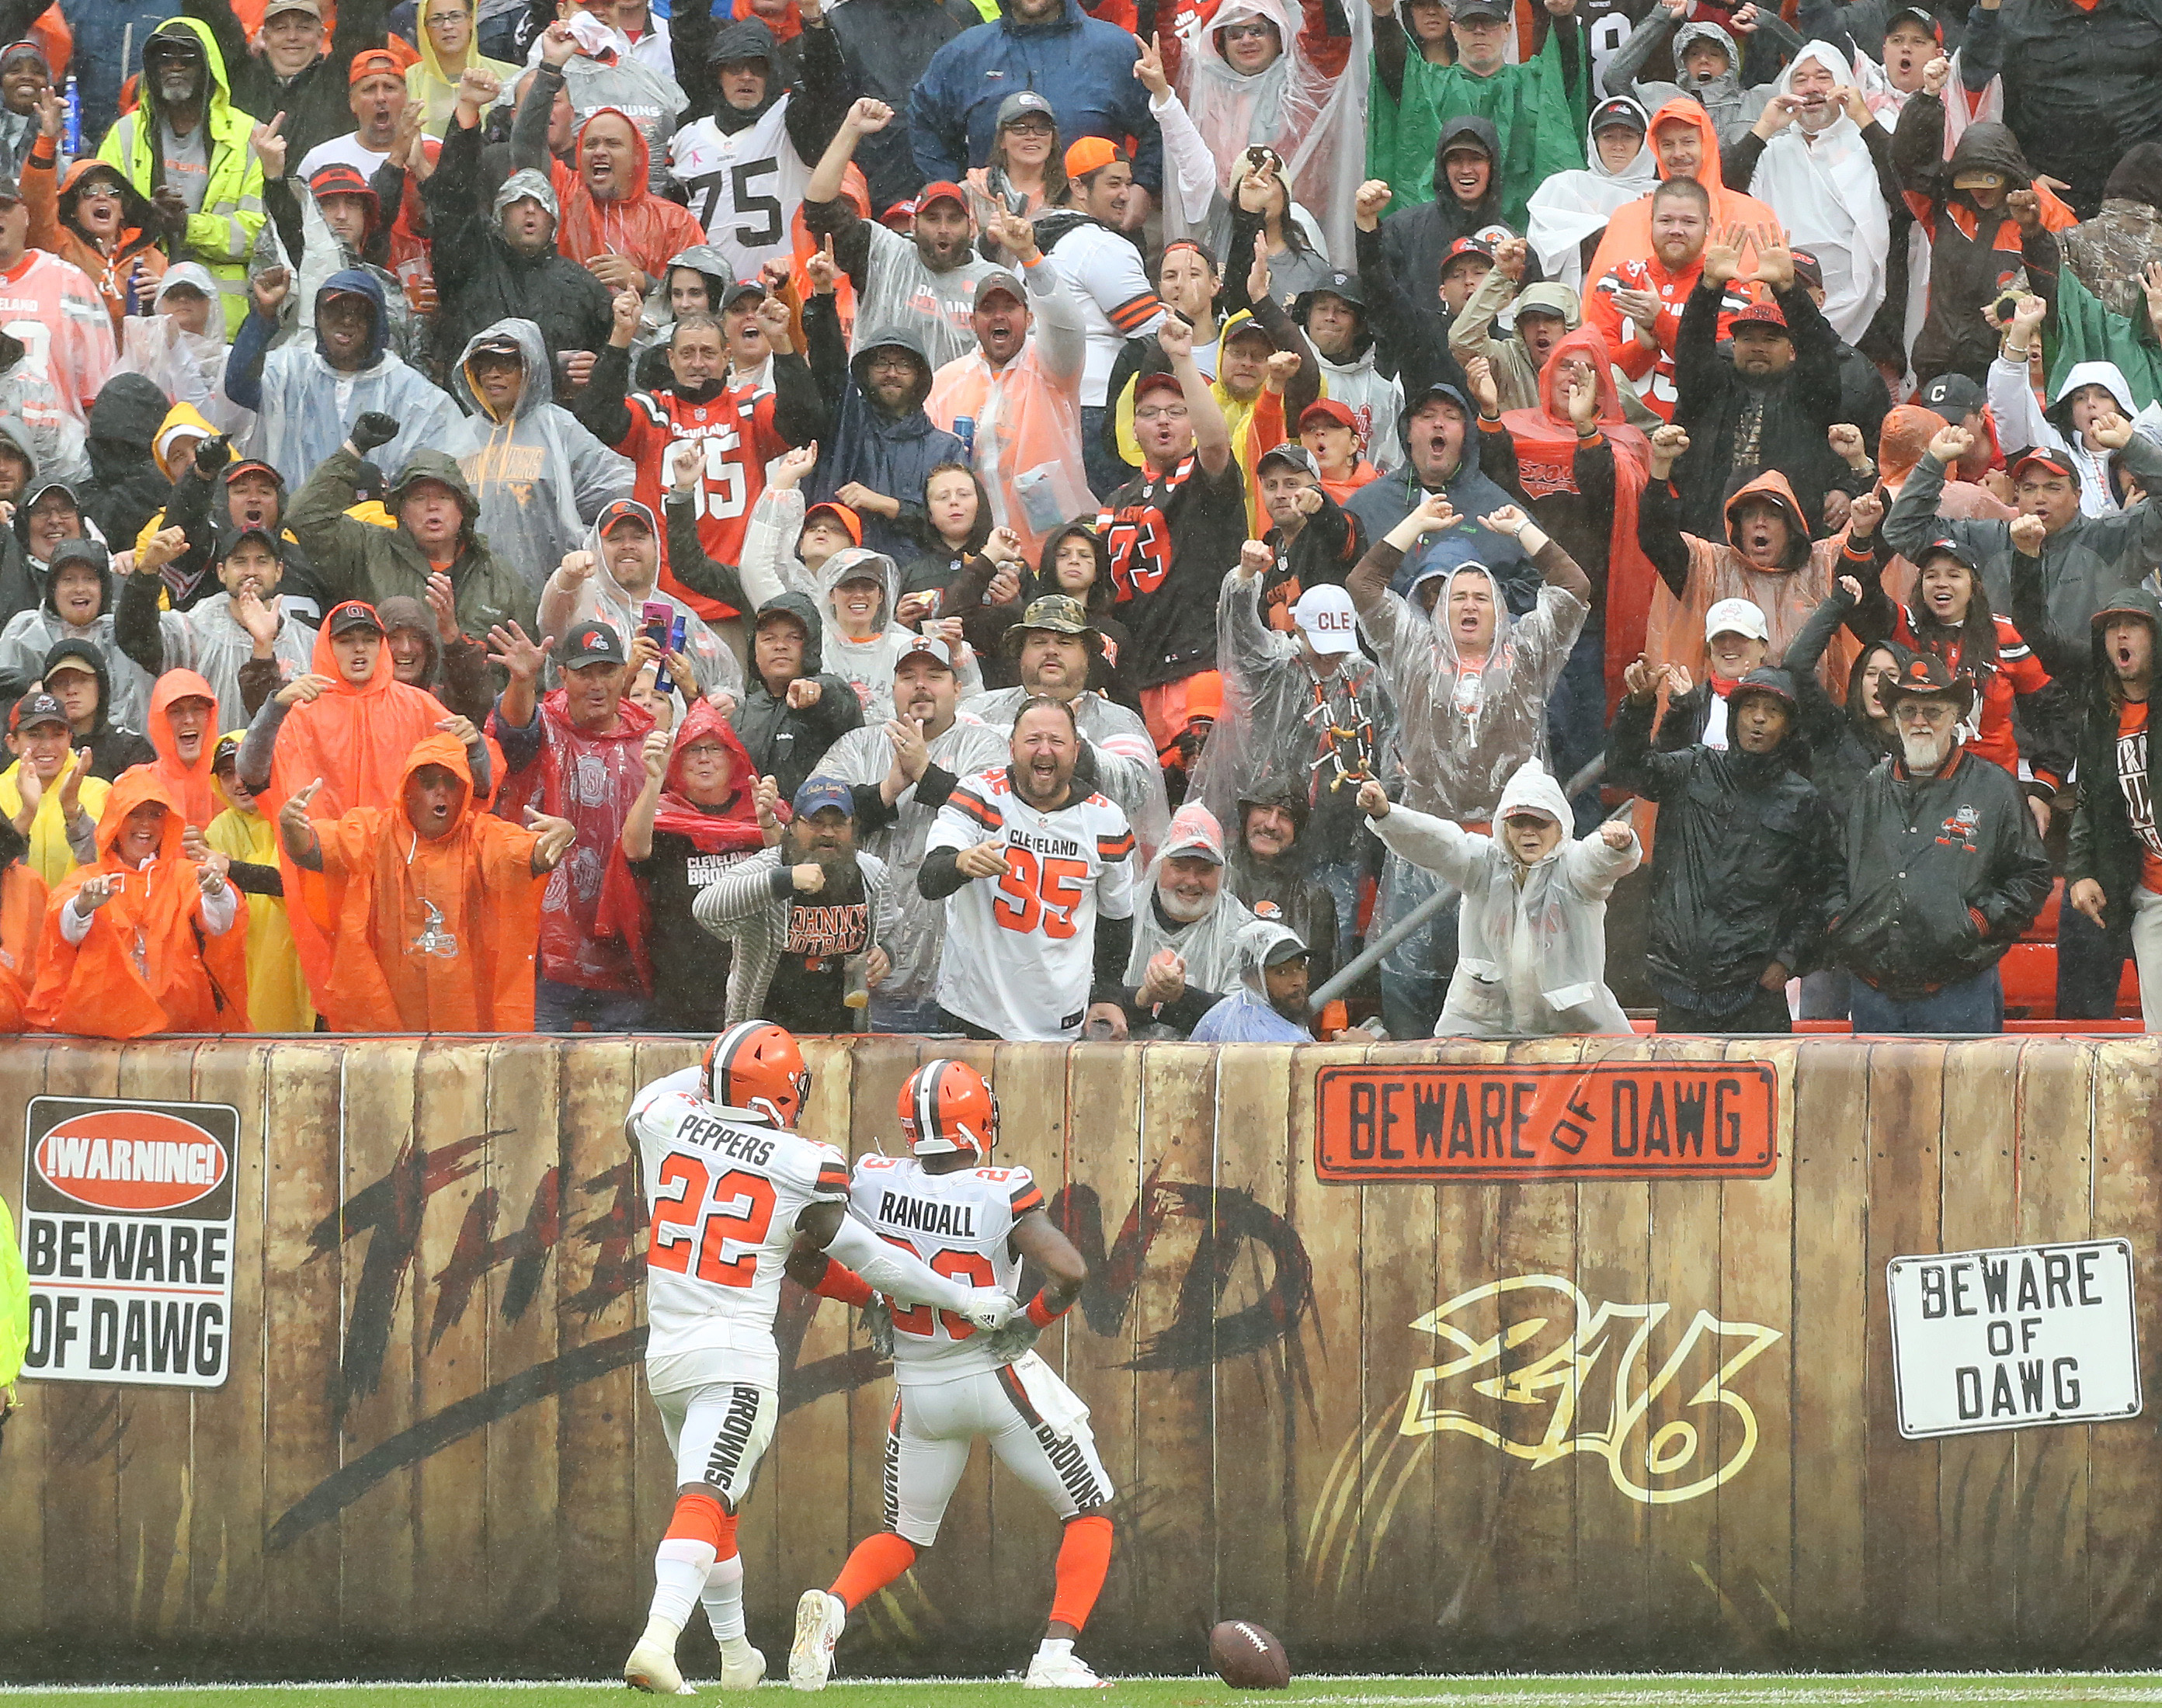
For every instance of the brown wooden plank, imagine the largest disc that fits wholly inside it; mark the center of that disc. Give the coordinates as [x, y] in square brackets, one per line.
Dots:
[1256, 1393]
[21, 1485]
[156, 1494]
[1534, 1549]
[302, 1324]
[1104, 1083]
[1900, 1541]
[87, 1424]
[1173, 1576]
[1830, 1141]
[226, 1547]
[1976, 1569]
[2125, 1498]
[382, 1158]
[1756, 1287]
[517, 1302]
[1326, 1495]
[2050, 1463]
[1613, 1256]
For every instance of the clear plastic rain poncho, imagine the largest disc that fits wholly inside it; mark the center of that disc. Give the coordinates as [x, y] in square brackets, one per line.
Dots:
[1282, 728]
[918, 926]
[601, 598]
[541, 477]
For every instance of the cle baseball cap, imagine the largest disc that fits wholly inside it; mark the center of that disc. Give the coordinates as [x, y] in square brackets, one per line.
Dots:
[593, 644]
[1735, 617]
[1325, 616]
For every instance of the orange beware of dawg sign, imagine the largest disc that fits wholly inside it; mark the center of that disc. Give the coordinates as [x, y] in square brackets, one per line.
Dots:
[1557, 1121]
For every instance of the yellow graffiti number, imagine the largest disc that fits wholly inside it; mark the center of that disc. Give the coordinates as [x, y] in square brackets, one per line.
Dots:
[1556, 1378]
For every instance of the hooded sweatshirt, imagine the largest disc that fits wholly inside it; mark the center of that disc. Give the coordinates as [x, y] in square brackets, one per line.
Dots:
[868, 663]
[1381, 505]
[125, 274]
[1974, 254]
[539, 477]
[1732, 108]
[307, 407]
[431, 935]
[221, 231]
[127, 487]
[433, 81]
[1531, 941]
[1529, 117]
[159, 956]
[1570, 207]
[27, 642]
[784, 741]
[1357, 380]
[891, 454]
[191, 786]
[2115, 840]
[636, 223]
[1415, 240]
[2022, 425]
[115, 741]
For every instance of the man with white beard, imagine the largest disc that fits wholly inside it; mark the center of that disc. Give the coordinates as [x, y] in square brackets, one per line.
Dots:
[1185, 958]
[1944, 870]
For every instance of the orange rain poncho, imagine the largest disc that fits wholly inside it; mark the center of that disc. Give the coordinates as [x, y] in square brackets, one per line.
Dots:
[650, 229]
[147, 965]
[432, 936]
[357, 739]
[193, 788]
[22, 926]
[1629, 228]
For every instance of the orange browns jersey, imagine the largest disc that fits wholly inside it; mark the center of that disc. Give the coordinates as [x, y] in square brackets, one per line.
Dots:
[1020, 951]
[736, 432]
[723, 1193]
[958, 1223]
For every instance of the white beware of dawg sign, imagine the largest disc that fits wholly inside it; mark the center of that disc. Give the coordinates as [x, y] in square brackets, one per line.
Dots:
[2013, 1337]
[127, 1236]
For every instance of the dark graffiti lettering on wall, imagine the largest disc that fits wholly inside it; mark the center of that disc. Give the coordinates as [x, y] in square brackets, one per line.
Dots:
[605, 1219]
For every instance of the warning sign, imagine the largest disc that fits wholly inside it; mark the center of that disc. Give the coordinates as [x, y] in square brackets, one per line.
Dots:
[1565, 1120]
[127, 1229]
[2010, 1338]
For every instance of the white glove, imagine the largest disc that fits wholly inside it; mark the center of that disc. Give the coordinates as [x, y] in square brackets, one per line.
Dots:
[990, 1307]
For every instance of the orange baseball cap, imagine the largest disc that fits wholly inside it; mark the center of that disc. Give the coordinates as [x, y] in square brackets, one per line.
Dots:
[1090, 154]
[841, 513]
[376, 62]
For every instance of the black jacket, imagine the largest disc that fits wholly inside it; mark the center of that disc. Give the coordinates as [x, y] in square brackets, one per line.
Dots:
[890, 44]
[1971, 252]
[1747, 867]
[316, 99]
[1844, 746]
[198, 506]
[1321, 553]
[1943, 873]
[113, 747]
[1415, 241]
[2103, 844]
[126, 488]
[1725, 414]
[481, 279]
[784, 743]
[2088, 86]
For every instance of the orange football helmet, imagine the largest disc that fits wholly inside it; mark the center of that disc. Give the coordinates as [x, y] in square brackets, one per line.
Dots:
[757, 1065]
[948, 1106]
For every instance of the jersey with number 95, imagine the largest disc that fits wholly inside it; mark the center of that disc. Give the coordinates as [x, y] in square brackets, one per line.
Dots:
[723, 1194]
[1020, 948]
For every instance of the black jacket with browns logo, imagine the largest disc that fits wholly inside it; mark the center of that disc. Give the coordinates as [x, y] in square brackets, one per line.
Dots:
[1943, 873]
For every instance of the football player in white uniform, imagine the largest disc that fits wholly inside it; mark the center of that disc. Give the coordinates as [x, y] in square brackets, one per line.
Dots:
[731, 1190]
[953, 1384]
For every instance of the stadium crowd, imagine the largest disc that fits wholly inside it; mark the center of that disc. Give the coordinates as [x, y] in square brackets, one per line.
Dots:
[1038, 520]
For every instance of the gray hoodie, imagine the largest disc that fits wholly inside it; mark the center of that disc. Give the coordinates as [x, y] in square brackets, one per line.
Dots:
[1733, 109]
[868, 665]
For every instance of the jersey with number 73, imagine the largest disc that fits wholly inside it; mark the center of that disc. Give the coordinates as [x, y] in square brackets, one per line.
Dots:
[1020, 948]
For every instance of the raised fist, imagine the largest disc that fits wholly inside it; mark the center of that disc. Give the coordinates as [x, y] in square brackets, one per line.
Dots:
[372, 430]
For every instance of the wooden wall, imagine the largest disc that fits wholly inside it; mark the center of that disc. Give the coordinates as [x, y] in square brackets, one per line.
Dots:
[434, 1454]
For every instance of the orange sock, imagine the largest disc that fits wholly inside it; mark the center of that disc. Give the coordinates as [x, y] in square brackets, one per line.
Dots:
[877, 1561]
[698, 1518]
[1083, 1557]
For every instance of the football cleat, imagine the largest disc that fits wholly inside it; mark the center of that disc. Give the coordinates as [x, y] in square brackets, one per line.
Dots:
[820, 1619]
[652, 1667]
[1064, 1672]
[745, 1669]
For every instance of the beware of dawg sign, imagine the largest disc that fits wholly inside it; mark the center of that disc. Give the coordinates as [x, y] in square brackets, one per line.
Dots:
[127, 1230]
[1577, 1121]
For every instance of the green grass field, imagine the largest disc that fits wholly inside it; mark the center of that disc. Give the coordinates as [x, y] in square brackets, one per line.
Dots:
[1565, 1690]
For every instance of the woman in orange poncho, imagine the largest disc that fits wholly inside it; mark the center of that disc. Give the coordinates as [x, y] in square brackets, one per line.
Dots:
[437, 903]
[1596, 520]
[351, 724]
[21, 924]
[147, 940]
[1908, 430]
[183, 730]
